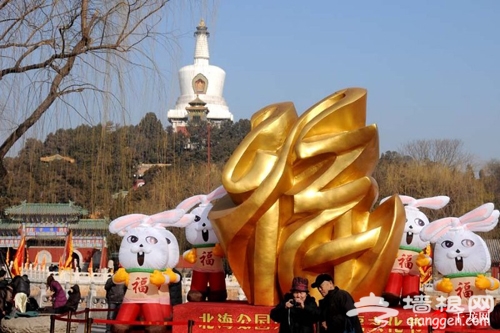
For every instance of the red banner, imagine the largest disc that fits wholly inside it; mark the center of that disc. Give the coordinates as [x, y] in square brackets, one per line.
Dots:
[18, 261]
[68, 251]
[234, 316]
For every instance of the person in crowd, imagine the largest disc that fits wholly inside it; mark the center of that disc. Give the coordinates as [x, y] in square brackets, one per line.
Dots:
[73, 300]
[334, 307]
[58, 294]
[495, 317]
[297, 312]
[114, 298]
[5, 295]
[3, 278]
[21, 288]
[175, 290]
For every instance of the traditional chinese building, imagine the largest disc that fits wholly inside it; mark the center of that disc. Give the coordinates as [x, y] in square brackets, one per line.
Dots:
[46, 227]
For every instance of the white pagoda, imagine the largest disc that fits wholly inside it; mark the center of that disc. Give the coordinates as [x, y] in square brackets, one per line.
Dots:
[202, 82]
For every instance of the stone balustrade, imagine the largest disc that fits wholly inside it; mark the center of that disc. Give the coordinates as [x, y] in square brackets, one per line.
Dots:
[92, 286]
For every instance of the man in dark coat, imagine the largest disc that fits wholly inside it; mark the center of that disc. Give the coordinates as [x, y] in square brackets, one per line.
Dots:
[114, 298]
[334, 307]
[297, 312]
[176, 290]
[21, 288]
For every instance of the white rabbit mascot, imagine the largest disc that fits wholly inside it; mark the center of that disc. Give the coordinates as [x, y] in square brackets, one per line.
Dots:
[460, 254]
[404, 279]
[209, 279]
[148, 252]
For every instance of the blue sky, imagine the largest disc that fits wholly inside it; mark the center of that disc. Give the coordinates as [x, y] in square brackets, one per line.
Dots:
[431, 68]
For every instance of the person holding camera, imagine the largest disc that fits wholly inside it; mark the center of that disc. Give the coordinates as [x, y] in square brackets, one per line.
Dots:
[297, 312]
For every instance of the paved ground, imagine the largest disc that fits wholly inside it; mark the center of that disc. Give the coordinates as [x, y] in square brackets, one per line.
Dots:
[95, 329]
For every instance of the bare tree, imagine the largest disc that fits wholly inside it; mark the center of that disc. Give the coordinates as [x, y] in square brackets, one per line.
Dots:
[448, 152]
[47, 48]
[490, 175]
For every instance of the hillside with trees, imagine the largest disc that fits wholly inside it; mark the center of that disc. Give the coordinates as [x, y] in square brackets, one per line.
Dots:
[106, 159]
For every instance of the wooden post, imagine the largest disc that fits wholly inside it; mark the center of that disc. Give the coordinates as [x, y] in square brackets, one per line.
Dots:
[52, 323]
[88, 321]
[88, 324]
[68, 323]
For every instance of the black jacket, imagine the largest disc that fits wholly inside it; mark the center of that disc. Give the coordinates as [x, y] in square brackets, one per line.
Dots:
[296, 320]
[21, 284]
[114, 292]
[176, 290]
[74, 296]
[334, 309]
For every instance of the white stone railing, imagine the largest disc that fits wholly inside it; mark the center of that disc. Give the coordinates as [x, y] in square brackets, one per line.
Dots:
[67, 276]
[92, 286]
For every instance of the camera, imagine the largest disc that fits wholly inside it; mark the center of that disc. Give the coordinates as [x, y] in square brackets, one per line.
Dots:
[295, 303]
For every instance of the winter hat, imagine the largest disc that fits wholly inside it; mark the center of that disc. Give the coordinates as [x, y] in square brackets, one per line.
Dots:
[300, 284]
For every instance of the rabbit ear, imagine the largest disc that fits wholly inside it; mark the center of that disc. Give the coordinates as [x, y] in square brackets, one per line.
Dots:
[184, 221]
[218, 193]
[407, 200]
[434, 230]
[121, 225]
[484, 225]
[166, 218]
[480, 213]
[432, 203]
[189, 203]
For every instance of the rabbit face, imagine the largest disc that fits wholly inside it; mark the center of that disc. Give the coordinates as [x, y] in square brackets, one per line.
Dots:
[148, 247]
[415, 221]
[201, 230]
[461, 251]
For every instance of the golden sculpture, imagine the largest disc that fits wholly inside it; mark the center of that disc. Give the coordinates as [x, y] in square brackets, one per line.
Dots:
[299, 200]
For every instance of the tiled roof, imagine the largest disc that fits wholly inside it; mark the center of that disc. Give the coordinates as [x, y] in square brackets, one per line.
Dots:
[494, 247]
[9, 226]
[45, 209]
[87, 224]
[83, 224]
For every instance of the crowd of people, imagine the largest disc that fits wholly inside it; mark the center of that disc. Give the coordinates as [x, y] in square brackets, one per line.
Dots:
[15, 297]
[299, 313]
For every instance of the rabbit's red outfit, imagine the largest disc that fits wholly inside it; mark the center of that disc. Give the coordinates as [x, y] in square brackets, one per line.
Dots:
[208, 271]
[404, 279]
[142, 298]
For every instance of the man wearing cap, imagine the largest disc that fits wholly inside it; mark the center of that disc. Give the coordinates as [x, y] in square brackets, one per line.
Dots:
[297, 312]
[334, 307]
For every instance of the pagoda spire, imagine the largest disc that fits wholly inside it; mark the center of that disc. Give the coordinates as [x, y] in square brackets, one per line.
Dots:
[201, 54]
